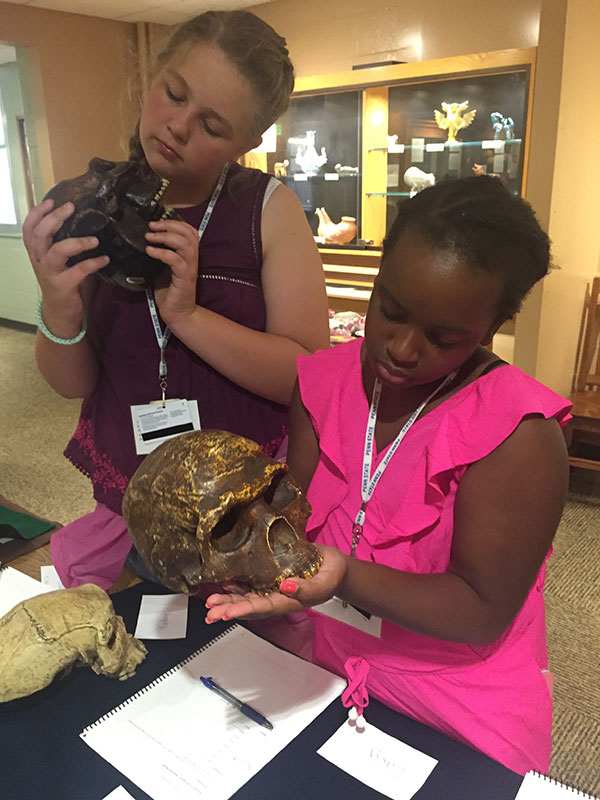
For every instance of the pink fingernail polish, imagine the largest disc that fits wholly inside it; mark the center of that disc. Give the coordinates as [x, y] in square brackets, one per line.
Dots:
[287, 586]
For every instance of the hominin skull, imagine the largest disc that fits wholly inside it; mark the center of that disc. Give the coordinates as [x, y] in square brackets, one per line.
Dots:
[115, 201]
[47, 635]
[211, 506]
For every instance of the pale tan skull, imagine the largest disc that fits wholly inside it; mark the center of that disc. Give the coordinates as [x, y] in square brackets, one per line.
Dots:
[49, 634]
[211, 506]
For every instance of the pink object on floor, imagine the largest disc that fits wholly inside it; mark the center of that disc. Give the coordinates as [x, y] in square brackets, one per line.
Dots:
[92, 549]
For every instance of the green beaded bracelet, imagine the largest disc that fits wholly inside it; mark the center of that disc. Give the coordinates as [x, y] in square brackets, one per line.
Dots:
[49, 335]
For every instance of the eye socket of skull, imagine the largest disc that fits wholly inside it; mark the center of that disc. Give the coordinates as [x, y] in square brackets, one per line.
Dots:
[113, 638]
[281, 537]
[231, 532]
[280, 493]
[107, 633]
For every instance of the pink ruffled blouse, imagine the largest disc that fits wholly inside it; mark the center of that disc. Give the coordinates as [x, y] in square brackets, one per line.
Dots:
[495, 697]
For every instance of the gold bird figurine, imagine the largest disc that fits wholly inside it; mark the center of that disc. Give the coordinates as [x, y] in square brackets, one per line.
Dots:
[455, 120]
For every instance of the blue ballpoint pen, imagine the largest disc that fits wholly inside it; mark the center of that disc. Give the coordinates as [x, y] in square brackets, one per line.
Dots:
[250, 712]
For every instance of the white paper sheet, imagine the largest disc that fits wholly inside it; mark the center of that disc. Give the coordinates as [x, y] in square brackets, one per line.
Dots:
[335, 609]
[378, 760]
[177, 739]
[16, 586]
[119, 794]
[49, 577]
[541, 787]
[162, 616]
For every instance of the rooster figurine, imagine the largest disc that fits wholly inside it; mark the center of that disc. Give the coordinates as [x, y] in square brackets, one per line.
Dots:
[455, 120]
[341, 232]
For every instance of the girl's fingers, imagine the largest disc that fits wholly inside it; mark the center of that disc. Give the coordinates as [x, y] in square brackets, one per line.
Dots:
[180, 249]
[40, 226]
[51, 221]
[61, 252]
[82, 269]
[35, 216]
[182, 265]
[229, 612]
[174, 240]
[234, 606]
[169, 257]
[171, 225]
[172, 233]
[225, 606]
[215, 600]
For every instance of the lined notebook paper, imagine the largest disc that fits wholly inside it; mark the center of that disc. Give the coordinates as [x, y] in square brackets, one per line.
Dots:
[176, 738]
[541, 787]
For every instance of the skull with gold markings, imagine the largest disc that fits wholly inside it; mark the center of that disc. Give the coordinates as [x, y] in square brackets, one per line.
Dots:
[211, 506]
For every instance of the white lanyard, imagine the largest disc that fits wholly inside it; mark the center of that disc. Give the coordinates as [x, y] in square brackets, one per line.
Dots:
[368, 484]
[163, 338]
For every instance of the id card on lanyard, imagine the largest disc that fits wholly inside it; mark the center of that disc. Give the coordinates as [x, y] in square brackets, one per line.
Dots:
[160, 420]
[350, 615]
[156, 422]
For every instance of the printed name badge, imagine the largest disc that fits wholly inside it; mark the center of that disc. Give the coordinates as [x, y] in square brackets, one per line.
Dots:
[155, 423]
[350, 615]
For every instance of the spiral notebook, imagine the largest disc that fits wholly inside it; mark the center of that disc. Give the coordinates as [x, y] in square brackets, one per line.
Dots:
[176, 738]
[540, 787]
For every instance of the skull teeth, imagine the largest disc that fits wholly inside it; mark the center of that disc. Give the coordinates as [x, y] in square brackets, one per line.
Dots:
[312, 570]
[161, 190]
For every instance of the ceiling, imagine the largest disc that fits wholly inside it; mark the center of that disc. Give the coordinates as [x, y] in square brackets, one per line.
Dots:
[165, 12]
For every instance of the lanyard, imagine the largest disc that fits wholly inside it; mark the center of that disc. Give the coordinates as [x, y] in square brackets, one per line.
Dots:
[163, 338]
[368, 483]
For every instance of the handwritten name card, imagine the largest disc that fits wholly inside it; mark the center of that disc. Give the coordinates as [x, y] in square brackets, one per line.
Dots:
[162, 616]
[378, 760]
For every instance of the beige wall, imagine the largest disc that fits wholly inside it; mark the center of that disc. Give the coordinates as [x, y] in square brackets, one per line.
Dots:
[542, 149]
[334, 35]
[80, 71]
[565, 177]
[574, 224]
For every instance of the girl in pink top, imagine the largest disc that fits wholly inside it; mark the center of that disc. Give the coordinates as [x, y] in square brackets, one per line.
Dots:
[437, 475]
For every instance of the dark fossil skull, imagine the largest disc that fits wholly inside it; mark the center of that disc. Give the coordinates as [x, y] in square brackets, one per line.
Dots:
[115, 201]
[211, 506]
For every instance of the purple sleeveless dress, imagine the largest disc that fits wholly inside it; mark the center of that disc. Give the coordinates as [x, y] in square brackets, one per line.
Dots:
[229, 283]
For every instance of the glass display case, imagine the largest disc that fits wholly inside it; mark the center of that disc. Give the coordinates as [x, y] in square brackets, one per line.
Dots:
[316, 151]
[354, 145]
[454, 128]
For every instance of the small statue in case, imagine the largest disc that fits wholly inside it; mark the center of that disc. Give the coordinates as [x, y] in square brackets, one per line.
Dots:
[457, 117]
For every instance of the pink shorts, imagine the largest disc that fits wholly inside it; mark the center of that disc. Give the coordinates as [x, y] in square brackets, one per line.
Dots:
[92, 549]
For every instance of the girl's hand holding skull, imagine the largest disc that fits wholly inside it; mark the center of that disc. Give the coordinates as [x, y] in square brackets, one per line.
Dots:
[63, 306]
[175, 243]
[295, 594]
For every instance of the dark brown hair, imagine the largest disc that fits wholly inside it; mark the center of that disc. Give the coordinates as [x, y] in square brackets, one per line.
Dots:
[486, 225]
